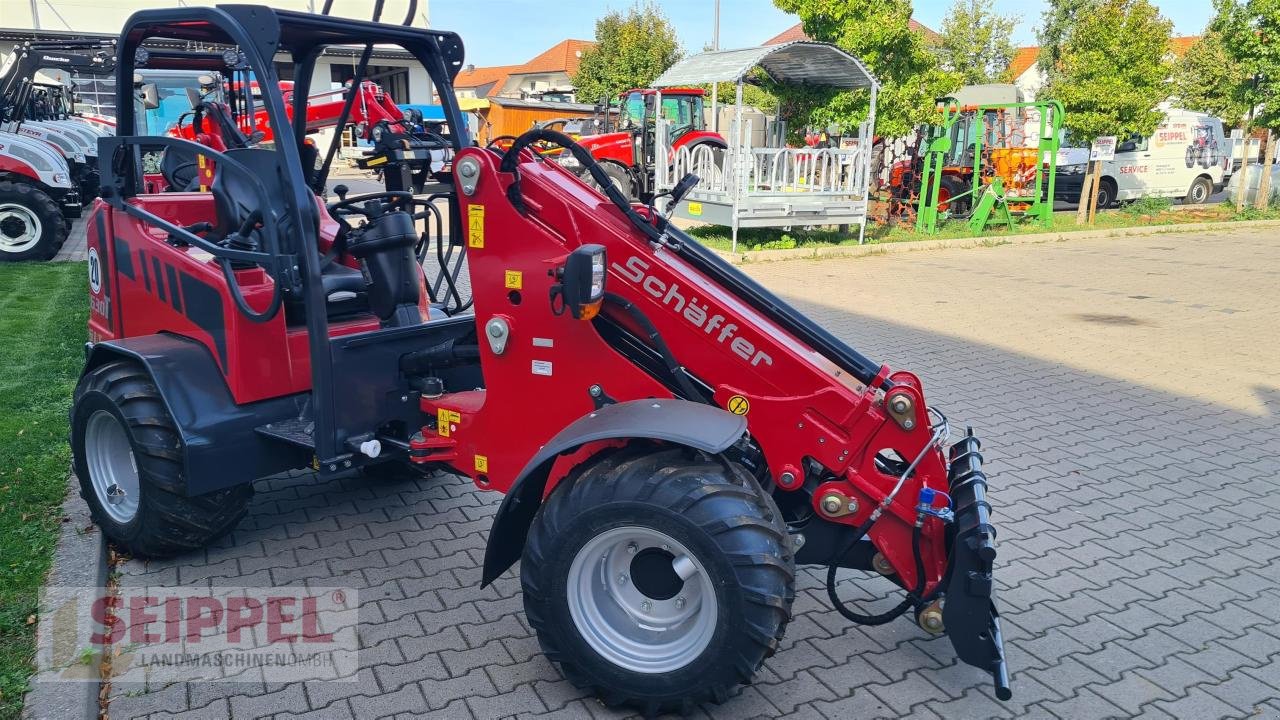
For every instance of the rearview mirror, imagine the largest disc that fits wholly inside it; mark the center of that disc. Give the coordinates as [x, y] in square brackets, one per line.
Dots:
[150, 96]
[682, 188]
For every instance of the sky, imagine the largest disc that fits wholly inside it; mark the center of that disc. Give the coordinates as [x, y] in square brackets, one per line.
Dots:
[508, 32]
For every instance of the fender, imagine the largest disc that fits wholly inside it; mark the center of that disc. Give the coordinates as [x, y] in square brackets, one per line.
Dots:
[220, 446]
[700, 137]
[702, 427]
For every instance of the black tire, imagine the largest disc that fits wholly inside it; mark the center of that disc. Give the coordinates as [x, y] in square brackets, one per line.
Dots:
[166, 522]
[727, 523]
[33, 204]
[1199, 192]
[1191, 156]
[1106, 194]
[950, 187]
[618, 174]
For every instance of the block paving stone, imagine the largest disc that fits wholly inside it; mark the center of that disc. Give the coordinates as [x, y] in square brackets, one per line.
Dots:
[1127, 393]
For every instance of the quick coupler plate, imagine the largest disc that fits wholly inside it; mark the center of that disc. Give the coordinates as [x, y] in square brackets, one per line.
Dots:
[969, 612]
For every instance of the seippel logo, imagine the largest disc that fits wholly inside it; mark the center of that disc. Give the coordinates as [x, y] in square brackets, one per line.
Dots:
[723, 329]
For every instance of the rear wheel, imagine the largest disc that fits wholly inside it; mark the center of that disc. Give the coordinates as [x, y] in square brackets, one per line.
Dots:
[948, 188]
[1199, 192]
[127, 454]
[618, 175]
[658, 578]
[31, 225]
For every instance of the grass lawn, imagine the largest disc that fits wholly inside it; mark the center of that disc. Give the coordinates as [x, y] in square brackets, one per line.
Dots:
[43, 310]
[1143, 212]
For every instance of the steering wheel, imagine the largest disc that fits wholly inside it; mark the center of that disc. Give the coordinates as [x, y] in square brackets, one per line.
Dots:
[353, 205]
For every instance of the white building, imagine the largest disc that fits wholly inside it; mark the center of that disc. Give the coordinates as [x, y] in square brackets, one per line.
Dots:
[398, 72]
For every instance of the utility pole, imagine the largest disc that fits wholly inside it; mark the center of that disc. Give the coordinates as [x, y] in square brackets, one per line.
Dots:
[35, 13]
[715, 87]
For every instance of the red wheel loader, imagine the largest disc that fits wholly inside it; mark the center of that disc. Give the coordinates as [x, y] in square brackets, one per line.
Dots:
[672, 439]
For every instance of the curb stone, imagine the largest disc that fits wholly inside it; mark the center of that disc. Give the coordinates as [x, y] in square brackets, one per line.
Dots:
[80, 559]
[890, 248]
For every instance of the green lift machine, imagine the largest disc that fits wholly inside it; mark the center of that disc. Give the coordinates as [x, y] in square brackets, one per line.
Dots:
[979, 160]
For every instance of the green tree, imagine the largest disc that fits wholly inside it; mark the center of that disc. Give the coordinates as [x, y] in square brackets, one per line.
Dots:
[632, 49]
[1058, 18]
[976, 41]
[1110, 75]
[1111, 72]
[878, 33]
[1250, 31]
[1206, 79]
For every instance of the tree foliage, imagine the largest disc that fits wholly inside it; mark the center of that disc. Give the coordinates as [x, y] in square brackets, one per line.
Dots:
[1111, 71]
[632, 49]
[1250, 31]
[1207, 79]
[878, 33]
[976, 41]
[1058, 18]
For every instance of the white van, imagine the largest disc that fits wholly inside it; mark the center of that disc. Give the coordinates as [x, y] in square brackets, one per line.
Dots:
[1187, 157]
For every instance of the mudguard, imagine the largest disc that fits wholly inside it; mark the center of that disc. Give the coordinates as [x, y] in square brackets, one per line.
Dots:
[220, 447]
[702, 427]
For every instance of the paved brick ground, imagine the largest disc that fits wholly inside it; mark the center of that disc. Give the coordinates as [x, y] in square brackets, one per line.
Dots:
[1127, 390]
[75, 248]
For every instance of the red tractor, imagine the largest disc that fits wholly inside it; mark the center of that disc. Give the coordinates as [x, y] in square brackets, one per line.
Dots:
[626, 154]
[673, 439]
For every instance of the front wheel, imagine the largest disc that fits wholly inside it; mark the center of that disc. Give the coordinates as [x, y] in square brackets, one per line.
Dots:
[1106, 194]
[658, 578]
[127, 454]
[31, 225]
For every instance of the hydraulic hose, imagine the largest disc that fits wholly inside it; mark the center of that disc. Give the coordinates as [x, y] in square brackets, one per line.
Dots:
[655, 338]
[907, 603]
[611, 191]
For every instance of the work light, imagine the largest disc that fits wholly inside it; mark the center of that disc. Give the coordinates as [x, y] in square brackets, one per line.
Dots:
[581, 286]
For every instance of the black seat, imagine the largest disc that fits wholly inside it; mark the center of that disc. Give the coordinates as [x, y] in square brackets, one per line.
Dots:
[234, 201]
[339, 279]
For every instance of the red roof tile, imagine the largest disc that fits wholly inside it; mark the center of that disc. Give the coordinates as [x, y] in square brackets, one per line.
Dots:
[564, 56]
[1025, 57]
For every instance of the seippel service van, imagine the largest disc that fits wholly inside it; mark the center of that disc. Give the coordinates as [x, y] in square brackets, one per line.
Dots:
[1187, 157]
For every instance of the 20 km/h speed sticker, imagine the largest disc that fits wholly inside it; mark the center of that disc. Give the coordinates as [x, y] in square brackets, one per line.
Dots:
[738, 405]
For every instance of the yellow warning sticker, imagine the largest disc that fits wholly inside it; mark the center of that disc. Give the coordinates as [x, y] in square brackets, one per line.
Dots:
[475, 226]
[514, 280]
[695, 208]
[376, 161]
[446, 420]
[482, 464]
[738, 405]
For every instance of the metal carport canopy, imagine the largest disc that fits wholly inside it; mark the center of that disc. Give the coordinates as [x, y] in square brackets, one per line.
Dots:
[800, 62]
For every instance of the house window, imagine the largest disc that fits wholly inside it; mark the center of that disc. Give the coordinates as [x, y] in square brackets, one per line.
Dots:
[393, 79]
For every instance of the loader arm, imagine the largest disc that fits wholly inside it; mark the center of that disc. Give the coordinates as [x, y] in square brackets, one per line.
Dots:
[856, 441]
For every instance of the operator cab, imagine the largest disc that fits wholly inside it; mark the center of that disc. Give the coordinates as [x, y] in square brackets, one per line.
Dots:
[366, 245]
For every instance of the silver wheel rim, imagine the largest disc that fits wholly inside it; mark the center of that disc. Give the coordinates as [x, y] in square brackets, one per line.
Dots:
[113, 472]
[622, 617]
[20, 229]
